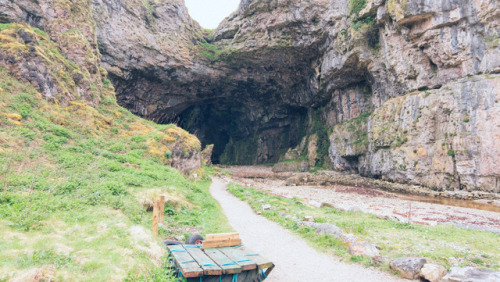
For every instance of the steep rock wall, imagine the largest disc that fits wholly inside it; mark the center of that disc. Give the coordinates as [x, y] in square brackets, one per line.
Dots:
[445, 135]
[401, 90]
[273, 69]
[445, 138]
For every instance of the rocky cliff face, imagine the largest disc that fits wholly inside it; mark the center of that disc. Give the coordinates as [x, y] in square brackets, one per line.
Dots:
[404, 90]
[53, 47]
[244, 88]
[401, 90]
[441, 129]
[73, 31]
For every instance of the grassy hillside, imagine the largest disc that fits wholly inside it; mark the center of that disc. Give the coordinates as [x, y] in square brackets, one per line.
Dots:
[76, 181]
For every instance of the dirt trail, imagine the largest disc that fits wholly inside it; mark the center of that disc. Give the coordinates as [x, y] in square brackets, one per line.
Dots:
[294, 259]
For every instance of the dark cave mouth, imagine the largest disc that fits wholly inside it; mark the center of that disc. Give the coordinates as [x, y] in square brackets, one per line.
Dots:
[245, 133]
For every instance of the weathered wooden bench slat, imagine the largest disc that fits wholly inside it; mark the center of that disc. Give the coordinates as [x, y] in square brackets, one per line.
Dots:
[186, 263]
[222, 236]
[227, 265]
[261, 262]
[207, 264]
[222, 240]
[239, 257]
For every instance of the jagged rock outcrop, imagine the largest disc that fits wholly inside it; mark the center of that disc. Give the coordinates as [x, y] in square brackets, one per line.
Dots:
[73, 31]
[52, 46]
[406, 90]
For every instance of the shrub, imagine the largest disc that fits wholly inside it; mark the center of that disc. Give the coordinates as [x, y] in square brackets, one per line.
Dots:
[356, 6]
[451, 153]
[168, 154]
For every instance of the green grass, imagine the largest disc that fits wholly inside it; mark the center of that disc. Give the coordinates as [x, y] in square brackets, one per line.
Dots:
[73, 180]
[362, 23]
[355, 6]
[5, 26]
[451, 153]
[442, 244]
[212, 52]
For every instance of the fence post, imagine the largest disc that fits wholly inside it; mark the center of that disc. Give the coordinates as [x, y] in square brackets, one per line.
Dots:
[162, 209]
[155, 218]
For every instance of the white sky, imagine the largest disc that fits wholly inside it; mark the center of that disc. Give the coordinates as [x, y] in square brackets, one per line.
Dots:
[209, 13]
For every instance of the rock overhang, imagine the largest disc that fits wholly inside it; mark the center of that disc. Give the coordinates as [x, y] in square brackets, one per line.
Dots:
[272, 70]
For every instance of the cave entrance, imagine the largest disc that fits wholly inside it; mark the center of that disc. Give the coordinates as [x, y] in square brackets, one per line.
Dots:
[353, 162]
[245, 133]
[215, 123]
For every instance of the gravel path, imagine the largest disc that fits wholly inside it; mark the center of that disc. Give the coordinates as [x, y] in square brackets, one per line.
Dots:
[294, 259]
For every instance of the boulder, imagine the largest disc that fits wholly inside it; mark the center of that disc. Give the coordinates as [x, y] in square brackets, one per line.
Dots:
[312, 150]
[363, 248]
[206, 155]
[292, 181]
[348, 237]
[327, 228]
[291, 166]
[409, 267]
[432, 272]
[354, 209]
[315, 204]
[326, 205]
[471, 274]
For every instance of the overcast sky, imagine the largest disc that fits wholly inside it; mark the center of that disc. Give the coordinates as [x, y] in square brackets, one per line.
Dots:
[209, 13]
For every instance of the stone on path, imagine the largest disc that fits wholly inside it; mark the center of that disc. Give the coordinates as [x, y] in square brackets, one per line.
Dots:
[471, 274]
[325, 228]
[315, 204]
[432, 272]
[409, 267]
[363, 248]
[335, 231]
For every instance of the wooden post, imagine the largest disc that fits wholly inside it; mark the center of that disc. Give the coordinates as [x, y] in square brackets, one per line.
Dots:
[162, 209]
[155, 218]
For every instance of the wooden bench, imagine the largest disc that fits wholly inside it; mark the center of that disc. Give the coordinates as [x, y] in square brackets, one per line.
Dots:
[226, 264]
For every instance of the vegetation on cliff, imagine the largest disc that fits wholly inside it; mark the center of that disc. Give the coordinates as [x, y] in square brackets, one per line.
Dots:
[76, 180]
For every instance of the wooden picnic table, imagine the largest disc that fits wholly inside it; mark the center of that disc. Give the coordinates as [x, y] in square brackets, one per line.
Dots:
[226, 264]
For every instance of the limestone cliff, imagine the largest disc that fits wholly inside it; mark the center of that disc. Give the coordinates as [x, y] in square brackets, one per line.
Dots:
[403, 90]
[271, 70]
